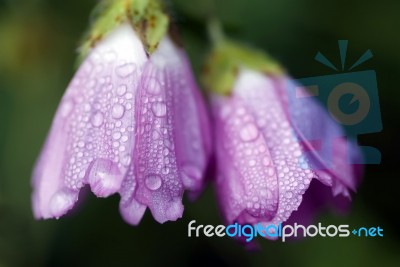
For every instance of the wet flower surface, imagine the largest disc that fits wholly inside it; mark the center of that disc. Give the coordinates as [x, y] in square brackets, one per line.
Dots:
[265, 161]
[128, 123]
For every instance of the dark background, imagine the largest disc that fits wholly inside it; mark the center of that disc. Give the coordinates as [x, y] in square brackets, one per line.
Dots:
[38, 40]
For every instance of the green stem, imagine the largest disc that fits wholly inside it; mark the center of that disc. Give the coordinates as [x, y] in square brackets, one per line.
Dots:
[215, 31]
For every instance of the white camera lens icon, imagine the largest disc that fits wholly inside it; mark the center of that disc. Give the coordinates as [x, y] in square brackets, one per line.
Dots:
[358, 94]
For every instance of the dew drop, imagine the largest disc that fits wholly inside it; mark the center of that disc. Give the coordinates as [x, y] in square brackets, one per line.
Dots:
[121, 90]
[124, 138]
[87, 107]
[116, 135]
[128, 96]
[97, 119]
[82, 174]
[288, 194]
[165, 151]
[155, 135]
[249, 132]
[81, 144]
[252, 162]
[159, 109]
[118, 111]
[125, 70]
[153, 182]
[165, 170]
[297, 153]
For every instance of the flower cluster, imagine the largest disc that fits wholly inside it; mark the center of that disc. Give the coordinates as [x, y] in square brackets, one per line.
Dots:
[133, 122]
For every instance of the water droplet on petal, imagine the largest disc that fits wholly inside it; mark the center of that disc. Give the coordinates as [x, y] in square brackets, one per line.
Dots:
[116, 135]
[81, 144]
[165, 151]
[87, 107]
[118, 111]
[159, 109]
[252, 162]
[124, 138]
[165, 170]
[115, 144]
[155, 135]
[121, 90]
[125, 70]
[249, 132]
[288, 194]
[153, 181]
[297, 153]
[110, 56]
[97, 119]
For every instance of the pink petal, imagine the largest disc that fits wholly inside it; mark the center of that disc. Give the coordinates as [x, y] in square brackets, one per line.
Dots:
[91, 140]
[171, 147]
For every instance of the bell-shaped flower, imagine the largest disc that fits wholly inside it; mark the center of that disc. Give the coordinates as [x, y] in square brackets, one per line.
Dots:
[272, 139]
[132, 121]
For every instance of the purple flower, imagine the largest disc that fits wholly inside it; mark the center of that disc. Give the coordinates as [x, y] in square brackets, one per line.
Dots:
[130, 124]
[265, 161]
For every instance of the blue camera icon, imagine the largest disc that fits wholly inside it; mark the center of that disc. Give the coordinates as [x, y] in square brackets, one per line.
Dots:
[349, 99]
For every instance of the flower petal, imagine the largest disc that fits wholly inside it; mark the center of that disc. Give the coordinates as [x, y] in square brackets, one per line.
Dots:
[191, 128]
[174, 142]
[247, 182]
[268, 116]
[301, 140]
[91, 140]
[131, 210]
[330, 154]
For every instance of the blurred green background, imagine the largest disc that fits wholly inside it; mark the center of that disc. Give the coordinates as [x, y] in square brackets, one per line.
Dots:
[38, 41]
